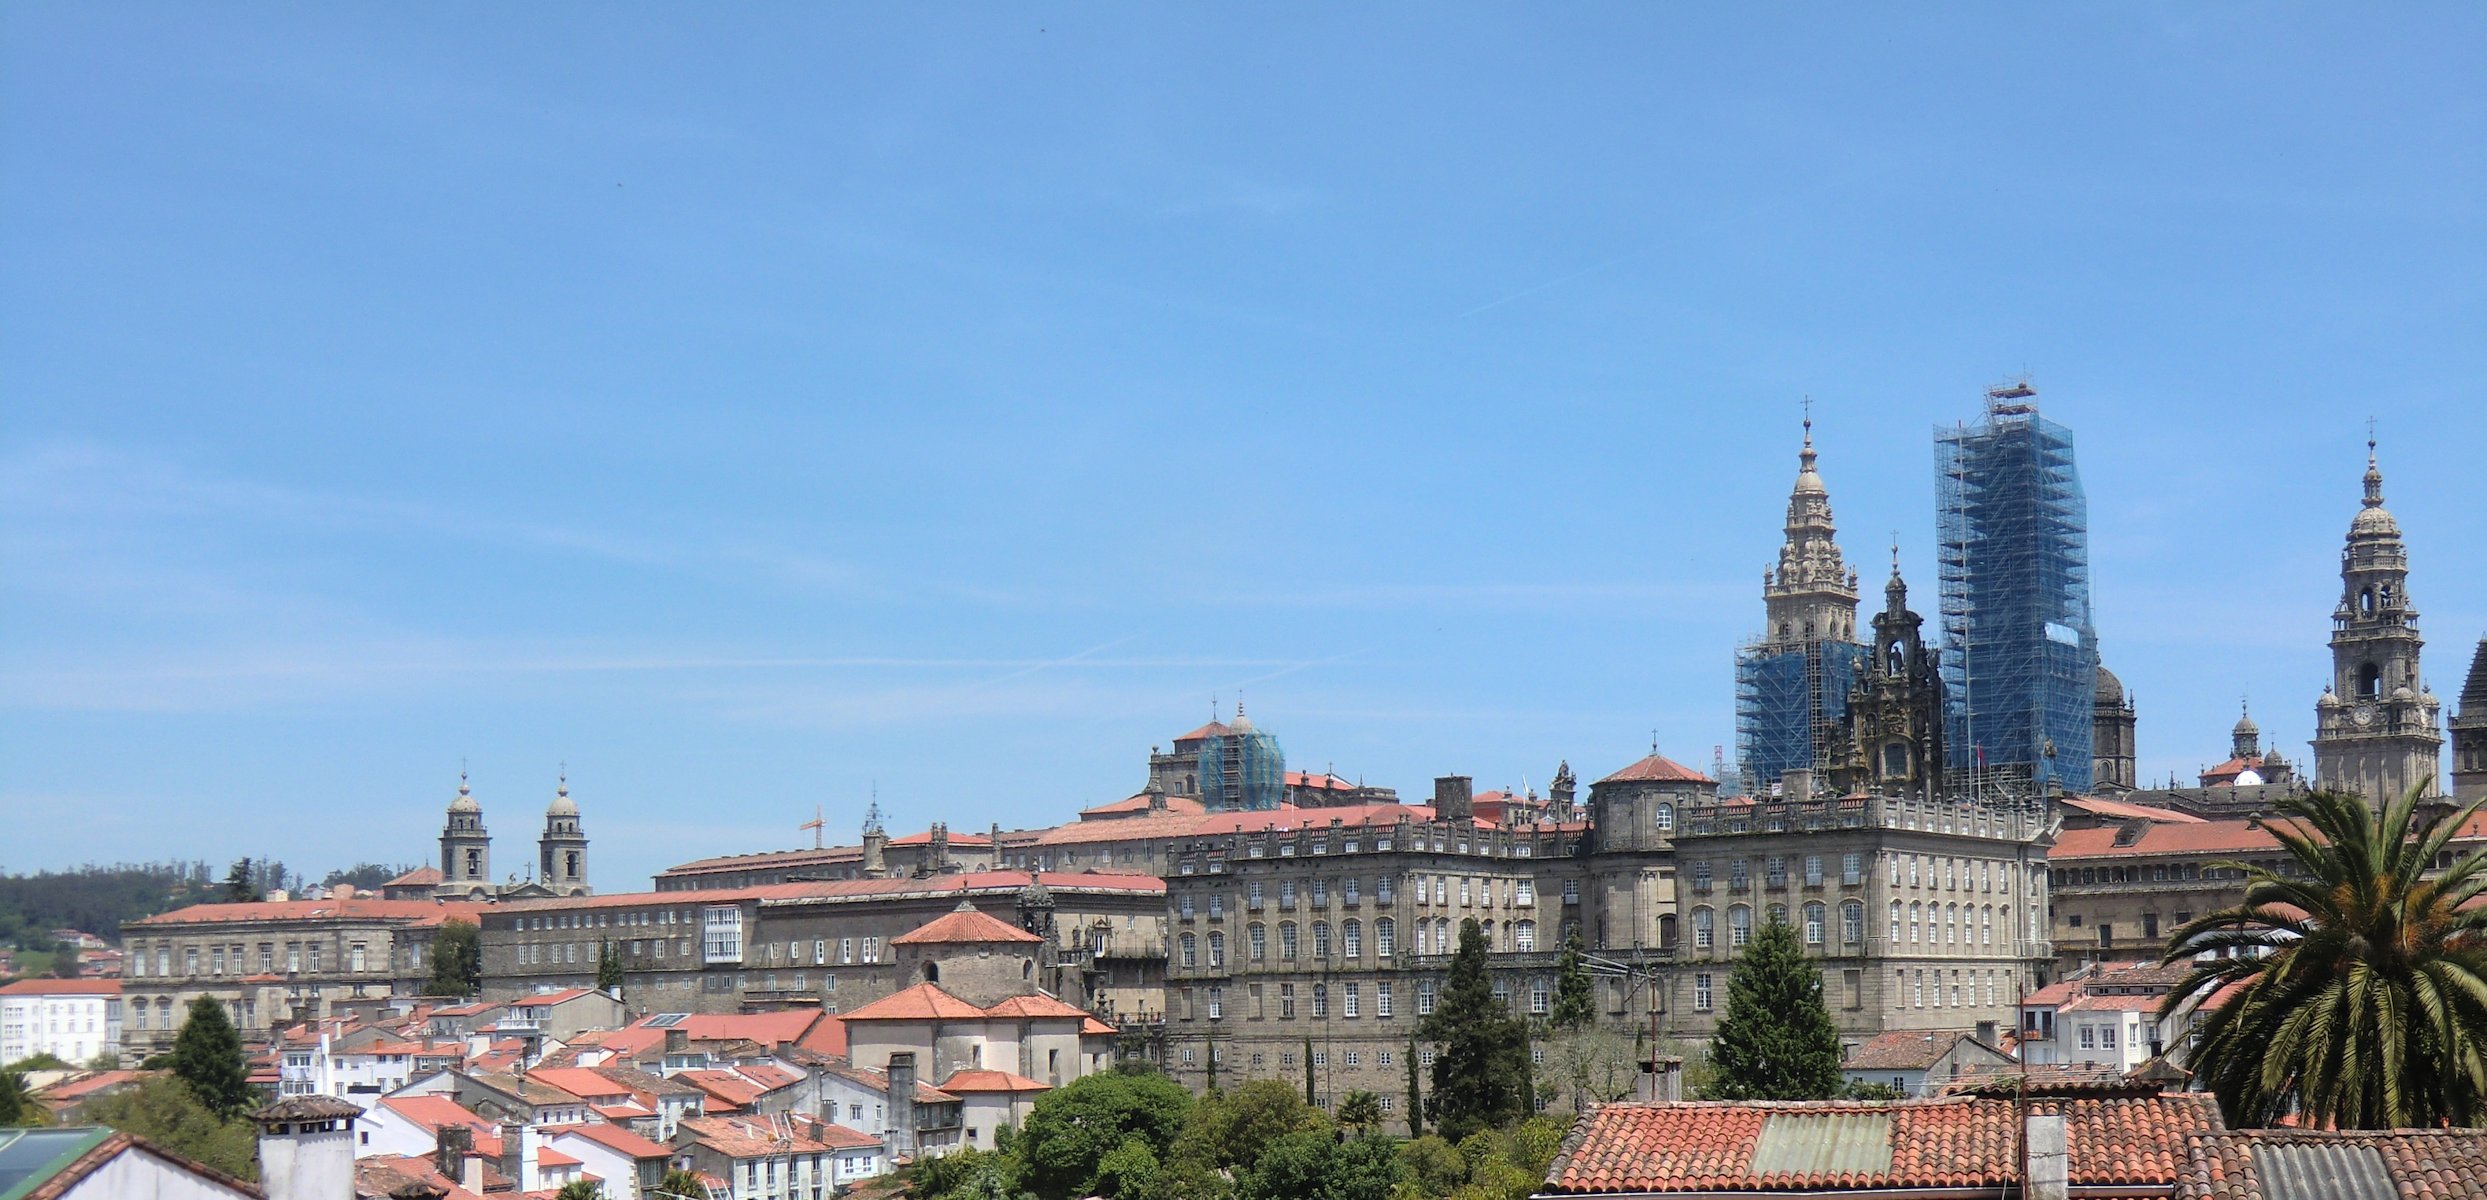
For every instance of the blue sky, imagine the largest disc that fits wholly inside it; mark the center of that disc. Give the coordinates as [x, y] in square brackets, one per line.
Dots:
[750, 409]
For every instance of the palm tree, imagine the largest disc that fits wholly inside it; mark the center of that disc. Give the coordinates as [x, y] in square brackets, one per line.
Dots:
[2358, 999]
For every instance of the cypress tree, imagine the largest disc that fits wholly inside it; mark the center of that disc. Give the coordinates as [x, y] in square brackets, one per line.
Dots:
[1309, 1096]
[1416, 1107]
[457, 960]
[1776, 1041]
[207, 1056]
[609, 972]
[1574, 1005]
[1480, 1072]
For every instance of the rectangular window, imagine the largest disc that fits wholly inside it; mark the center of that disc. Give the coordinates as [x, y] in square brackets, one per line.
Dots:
[1217, 1003]
[1539, 999]
[2089, 1040]
[1775, 871]
[872, 949]
[1348, 891]
[1286, 1002]
[1424, 997]
[1525, 892]
[1739, 874]
[1701, 876]
[1354, 1002]
[1381, 1004]
[1851, 869]
[1701, 992]
[1813, 870]
[1321, 1000]
[721, 932]
[315, 958]
[1183, 906]
[1381, 887]
[1252, 895]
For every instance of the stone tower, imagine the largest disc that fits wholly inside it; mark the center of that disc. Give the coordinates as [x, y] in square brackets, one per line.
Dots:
[1893, 738]
[1792, 683]
[2245, 737]
[561, 862]
[465, 848]
[2111, 736]
[2469, 733]
[2378, 730]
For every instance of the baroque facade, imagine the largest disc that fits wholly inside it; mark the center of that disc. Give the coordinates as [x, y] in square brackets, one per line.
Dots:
[2378, 727]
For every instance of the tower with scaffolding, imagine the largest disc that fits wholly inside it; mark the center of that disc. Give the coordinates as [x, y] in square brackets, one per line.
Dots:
[1792, 683]
[2020, 656]
[1241, 768]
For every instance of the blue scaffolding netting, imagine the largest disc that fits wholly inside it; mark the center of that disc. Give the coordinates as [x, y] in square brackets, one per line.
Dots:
[1790, 701]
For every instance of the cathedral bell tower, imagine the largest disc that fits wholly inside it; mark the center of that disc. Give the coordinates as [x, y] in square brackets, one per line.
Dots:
[465, 849]
[2378, 730]
[562, 853]
[1892, 741]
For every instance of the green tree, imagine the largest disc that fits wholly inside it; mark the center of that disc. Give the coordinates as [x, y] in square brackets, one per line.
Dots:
[580, 1189]
[238, 883]
[65, 962]
[1310, 1096]
[2361, 984]
[608, 969]
[1433, 1165]
[457, 960]
[1071, 1129]
[1232, 1130]
[16, 1107]
[1574, 1004]
[1360, 1111]
[1480, 1070]
[1416, 1099]
[207, 1058]
[1128, 1170]
[679, 1182]
[165, 1111]
[1776, 1040]
[42, 1060]
[1316, 1166]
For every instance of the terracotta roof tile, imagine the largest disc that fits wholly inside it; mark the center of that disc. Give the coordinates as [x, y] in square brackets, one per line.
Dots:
[419, 877]
[2207, 837]
[1903, 1050]
[1657, 768]
[2417, 1164]
[2124, 810]
[417, 912]
[1036, 1006]
[923, 1002]
[964, 927]
[63, 987]
[966, 1082]
[1943, 1143]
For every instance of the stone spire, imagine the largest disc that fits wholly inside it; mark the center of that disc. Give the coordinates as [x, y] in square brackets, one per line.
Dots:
[1811, 595]
[2378, 729]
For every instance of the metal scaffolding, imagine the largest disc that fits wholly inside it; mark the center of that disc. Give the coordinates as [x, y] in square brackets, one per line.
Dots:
[1242, 770]
[1790, 701]
[2020, 656]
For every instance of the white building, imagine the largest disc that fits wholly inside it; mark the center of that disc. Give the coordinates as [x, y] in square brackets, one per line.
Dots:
[100, 1164]
[72, 1019]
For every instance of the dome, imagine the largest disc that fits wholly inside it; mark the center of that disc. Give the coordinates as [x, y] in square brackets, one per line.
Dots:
[2110, 688]
[465, 803]
[2246, 727]
[562, 805]
[2403, 693]
[2328, 701]
[2374, 522]
[2249, 777]
[1241, 724]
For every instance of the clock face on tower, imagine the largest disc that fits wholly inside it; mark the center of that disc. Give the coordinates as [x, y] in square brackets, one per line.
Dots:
[2363, 714]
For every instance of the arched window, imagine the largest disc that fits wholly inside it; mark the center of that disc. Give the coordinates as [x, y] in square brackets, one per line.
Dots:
[1951, 924]
[1895, 760]
[1286, 940]
[1986, 925]
[1423, 936]
[1321, 999]
[1705, 930]
[2370, 682]
[1666, 931]
[1895, 660]
[1916, 921]
[1351, 938]
[1895, 922]
[1321, 939]
[1217, 950]
[1815, 916]
[1851, 923]
[1190, 950]
[1385, 937]
[1524, 936]
[1258, 936]
[932, 971]
[1662, 816]
[2366, 601]
[1739, 926]
[1442, 941]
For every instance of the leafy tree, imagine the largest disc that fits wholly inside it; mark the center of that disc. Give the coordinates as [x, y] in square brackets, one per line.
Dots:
[1071, 1129]
[580, 1189]
[165, 1111]
[363, 877]
[1574, 1004]
[1862, 1089]
[65, 962]
[1232, 1130]
[457, 960]
[1127, 1170]
[1480, 1071]
[2361, 998]
[1416, 1100]
[42, 1060]
[1310, 1096]
[1594, 1063]
[16, 1107]
[108, 1060]
[239, 888]
[207, 1058]
[963, 1173]
[1316, 1166]
[1776, 1041]
[679, 1182]
[1360, 1111]
[609, 969]
[1433, 1165]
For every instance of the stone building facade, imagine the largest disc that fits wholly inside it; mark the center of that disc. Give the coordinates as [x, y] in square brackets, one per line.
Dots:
[466, 875]
[2378, 727]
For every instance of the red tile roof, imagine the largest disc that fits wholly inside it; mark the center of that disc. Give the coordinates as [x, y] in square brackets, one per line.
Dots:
[2206, 837]
[579, 1082]
[1903, 1050]
[966, 927]
[1036, 1006]
[1916, 1144]
[616, 1138]
[433, 1112]
[956, 839]
[2123, 810]
[968, 1082]
[747, 1139]
[1093, 1025]
[923, 1002]
[419, 877]
[1139, 804]
[2421, 1164]
[358, 908]
[1210, 730]
[1657, 768]
[63, 987]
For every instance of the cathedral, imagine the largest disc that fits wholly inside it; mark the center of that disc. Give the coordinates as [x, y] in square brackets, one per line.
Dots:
[2378, 727]
[466, 853]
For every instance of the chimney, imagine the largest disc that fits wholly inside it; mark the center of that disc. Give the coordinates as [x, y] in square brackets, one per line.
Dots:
[513, 1151]
[876, 864]
[1453, 799]
[2047, 1175]
[527, 1157]
[1661, 1080]
[900, 1135]
[941, 847]
[1796, 785]
[306, 1148]
[677, 1041]
[449, 1154]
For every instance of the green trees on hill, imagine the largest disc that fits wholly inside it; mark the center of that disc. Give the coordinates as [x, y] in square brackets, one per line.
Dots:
[207, 1056]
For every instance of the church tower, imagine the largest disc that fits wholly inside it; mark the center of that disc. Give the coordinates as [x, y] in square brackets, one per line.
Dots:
[2469, 733]
[1792, 683]
[465, 849]
[2112, 758]
[2378, 730]
[1893, 736]
[561, 855]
